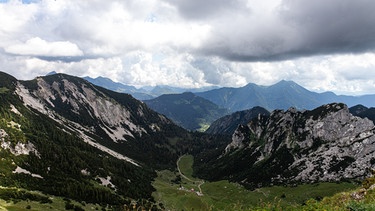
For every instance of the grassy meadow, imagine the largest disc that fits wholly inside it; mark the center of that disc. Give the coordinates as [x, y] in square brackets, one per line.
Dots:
[15, 199]
[176, 194]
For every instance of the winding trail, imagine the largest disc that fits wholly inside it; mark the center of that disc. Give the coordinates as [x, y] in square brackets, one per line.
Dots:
[200, 182]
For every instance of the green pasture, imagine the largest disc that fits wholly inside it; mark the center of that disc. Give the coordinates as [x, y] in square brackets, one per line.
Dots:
[224, 195]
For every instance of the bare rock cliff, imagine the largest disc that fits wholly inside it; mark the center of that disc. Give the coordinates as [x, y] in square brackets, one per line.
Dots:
[324, 144]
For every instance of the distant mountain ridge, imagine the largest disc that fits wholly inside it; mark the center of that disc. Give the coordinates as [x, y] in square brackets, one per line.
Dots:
[363, 111]
[143, 93]
[119, 87]
[187, 109]
[281, 95]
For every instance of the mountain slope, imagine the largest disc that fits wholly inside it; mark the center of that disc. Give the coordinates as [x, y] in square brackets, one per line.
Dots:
[229, 123]
[357, 109]
[111, 119]
[363, 111]
[278, 96]
[369, 113]
[281, 95]
[143, 93]
[119, 87]
[187, 109]
[64, 136]
[324, 144]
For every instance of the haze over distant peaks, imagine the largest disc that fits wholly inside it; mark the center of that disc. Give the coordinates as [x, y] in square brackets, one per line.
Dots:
[282, 95]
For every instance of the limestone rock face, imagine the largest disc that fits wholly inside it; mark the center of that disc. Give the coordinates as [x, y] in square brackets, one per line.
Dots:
[324, 144]
[112, 122]
[238, 138]
[89, 108]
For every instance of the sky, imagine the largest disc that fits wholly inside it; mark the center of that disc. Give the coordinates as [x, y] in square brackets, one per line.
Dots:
[323, 45]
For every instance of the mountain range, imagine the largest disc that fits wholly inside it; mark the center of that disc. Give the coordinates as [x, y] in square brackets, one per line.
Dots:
[282, 95]
[217, 103]
[200, 114]
[119, 87]
[64, 136]
[187, 110]
[142, 93]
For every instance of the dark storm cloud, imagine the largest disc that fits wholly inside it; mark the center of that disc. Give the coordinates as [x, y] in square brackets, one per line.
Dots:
[323, 45]
[198, 9]
[332, 26]
[66, 59]
[296, 28]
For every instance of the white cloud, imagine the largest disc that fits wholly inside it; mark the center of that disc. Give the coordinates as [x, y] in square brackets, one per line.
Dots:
[14, 18]
[322, 45]
[165, 68]
[116, 27]
[39, 47]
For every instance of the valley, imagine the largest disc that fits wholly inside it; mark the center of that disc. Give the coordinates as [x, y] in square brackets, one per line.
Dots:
[177, 190]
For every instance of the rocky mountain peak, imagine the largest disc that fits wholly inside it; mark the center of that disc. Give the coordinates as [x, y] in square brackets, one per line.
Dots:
[100, 117]
[324, 144]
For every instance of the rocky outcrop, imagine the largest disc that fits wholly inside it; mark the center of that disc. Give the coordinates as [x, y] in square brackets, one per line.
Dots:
[324, 144]
[75, 100]
[228, 124]
[238, 138]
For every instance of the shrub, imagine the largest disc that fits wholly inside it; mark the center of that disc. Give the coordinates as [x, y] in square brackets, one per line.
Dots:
[368, 182]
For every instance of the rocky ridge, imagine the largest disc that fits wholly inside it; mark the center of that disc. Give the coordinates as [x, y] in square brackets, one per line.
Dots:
[324, 144]
[114, 117]
[109, 121]
[328, 143]
[228, 124]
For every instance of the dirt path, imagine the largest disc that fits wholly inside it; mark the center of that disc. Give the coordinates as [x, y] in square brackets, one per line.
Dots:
[200, 182]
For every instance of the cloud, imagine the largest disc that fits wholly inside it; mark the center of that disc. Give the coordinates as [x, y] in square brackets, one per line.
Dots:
[217, 71]
[332, 26]
[166, 68]
[112, 28]
[293, 29]
[322, 45]
[235, 30]
[196, 9]
[39, 47]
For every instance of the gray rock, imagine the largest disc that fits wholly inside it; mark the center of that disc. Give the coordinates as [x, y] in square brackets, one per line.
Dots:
[327, 143]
